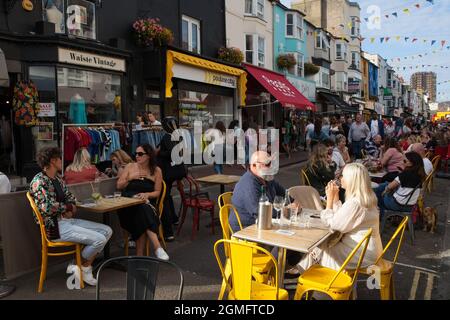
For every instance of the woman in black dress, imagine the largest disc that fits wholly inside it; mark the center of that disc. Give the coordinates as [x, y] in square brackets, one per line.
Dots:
[143, 180]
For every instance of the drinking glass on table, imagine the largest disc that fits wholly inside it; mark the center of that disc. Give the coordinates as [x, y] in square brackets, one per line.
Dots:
[278, 203]
[117, 195]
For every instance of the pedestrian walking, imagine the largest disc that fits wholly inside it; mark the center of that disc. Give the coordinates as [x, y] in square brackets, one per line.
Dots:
[359, 131]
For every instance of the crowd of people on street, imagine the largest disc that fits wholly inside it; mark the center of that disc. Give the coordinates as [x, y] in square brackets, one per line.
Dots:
[342, 153]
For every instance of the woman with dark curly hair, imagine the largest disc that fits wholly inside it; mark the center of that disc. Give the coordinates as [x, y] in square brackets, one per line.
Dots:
[57, 207]
[142, 180]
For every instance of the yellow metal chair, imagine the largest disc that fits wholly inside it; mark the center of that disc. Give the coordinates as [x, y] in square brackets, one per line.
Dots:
[363, 153]
[304, 178]
[428, 183]
[385, 267]
[47, 244]
[337, 284]
[160, 207]
[435, 161]
[262, 264]
[224, 198]
[242, 286]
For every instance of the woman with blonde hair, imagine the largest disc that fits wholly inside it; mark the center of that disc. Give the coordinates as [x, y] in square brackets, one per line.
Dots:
[352, 220]
[321, 168]
[119, 160]
[81, 169]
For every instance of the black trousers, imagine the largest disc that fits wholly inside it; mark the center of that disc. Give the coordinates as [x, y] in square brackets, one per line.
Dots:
[169, 216]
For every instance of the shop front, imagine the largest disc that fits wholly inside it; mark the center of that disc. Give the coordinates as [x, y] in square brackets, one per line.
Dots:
[198, 89]
[271, 97]
[333, 104]
[55, 86]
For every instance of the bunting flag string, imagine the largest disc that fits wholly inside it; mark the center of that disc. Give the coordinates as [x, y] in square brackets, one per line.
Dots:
[413, 40]
[406, 11]
[421, 55]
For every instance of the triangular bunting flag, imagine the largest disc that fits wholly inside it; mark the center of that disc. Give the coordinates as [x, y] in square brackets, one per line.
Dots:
[420, 55]
[414, 40]
[387, 39]
[406, 38]
[425, 40]
[397, 38]
[349, 25]
[418, 6]
[430, 1]
[443, 43]
[395, 14]
[362, 39]
[387, 16]
[406, 11]
[372, 40]
[381, 40]
[367, 19]
[433, 42]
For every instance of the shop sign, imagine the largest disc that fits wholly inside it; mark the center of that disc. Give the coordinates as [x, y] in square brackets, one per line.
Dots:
[307, 88]
[182, 71]
[354, 85]
[90, 60]
[219, 79]
[47, 109]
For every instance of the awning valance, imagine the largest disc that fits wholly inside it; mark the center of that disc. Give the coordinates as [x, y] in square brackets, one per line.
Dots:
[334, 99]
[280, 87]
[4, 78]
[178, 57]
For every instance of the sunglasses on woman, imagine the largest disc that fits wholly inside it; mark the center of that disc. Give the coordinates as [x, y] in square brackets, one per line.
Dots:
[140, 154]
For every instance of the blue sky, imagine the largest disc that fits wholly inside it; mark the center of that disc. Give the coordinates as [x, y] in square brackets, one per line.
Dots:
[430, 22]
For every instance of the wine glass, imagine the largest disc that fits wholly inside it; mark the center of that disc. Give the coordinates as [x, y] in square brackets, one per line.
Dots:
[278, 203]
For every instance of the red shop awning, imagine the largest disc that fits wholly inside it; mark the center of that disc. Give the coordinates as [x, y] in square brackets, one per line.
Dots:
[279, 87]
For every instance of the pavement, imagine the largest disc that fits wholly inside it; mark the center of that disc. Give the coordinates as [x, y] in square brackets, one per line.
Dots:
[422, 271]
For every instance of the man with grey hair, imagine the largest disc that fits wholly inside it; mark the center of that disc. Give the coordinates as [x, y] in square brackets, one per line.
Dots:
[419, 148]
[247, 192]
[359, 132]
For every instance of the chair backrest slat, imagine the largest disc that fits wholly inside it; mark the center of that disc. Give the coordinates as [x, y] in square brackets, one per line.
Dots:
[364, 242]
[400, 230]
[241, 257]
[141, 278]
[162, 196]
[307, 197]
[38, 215]
[225, 198]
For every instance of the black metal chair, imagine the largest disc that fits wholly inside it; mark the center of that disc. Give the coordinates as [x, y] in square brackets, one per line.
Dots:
[141, 276]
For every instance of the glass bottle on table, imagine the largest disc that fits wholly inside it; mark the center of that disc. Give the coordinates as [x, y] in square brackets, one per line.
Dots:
[285, 217]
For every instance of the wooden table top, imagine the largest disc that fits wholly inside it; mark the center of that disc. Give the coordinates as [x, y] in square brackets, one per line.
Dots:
[303, 240]
[219, 179]
[111, 204]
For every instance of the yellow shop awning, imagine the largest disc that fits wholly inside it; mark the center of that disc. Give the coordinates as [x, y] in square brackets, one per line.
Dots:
[181, 58]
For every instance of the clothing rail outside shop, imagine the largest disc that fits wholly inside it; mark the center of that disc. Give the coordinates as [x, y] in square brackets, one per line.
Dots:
[67, 125]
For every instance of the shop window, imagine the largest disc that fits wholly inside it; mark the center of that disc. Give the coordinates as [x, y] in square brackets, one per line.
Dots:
[190, 34]
[88, 97]
[205, 107]
[44, 134]
[73, 17]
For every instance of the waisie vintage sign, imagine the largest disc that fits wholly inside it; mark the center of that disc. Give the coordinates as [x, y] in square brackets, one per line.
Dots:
[90, 60]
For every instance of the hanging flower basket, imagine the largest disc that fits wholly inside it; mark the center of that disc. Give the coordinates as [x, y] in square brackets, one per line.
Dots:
[286, 61]
[149, 32]
[311, 69]
[231, 55]
[26, 104]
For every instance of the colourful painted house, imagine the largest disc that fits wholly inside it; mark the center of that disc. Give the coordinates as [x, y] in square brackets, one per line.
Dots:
[289, 37]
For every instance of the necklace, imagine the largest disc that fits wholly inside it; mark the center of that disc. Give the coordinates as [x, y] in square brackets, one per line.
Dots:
[141, 176]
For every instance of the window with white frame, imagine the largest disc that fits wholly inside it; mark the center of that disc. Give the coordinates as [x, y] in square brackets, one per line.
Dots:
[300, 65]
[294, 25]
[341, 51]
[356, 60]
[321, 40]
[355, 32]
[255, 8]
[190, 34]
[325, 78]
[255, 49]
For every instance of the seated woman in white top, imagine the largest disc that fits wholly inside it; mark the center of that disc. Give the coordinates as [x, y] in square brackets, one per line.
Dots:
[352, 219]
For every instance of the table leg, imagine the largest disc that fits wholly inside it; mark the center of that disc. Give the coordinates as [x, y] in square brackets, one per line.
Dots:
[281, 266]
[106, 250]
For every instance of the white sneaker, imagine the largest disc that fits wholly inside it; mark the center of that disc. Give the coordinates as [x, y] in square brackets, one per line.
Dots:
[88, 277]
[161, 254]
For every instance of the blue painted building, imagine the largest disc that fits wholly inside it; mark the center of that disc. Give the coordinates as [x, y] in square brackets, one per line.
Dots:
[373, 80]
[289, 37]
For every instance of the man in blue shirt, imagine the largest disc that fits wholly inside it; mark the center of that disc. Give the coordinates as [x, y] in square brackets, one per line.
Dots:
[247, 192]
